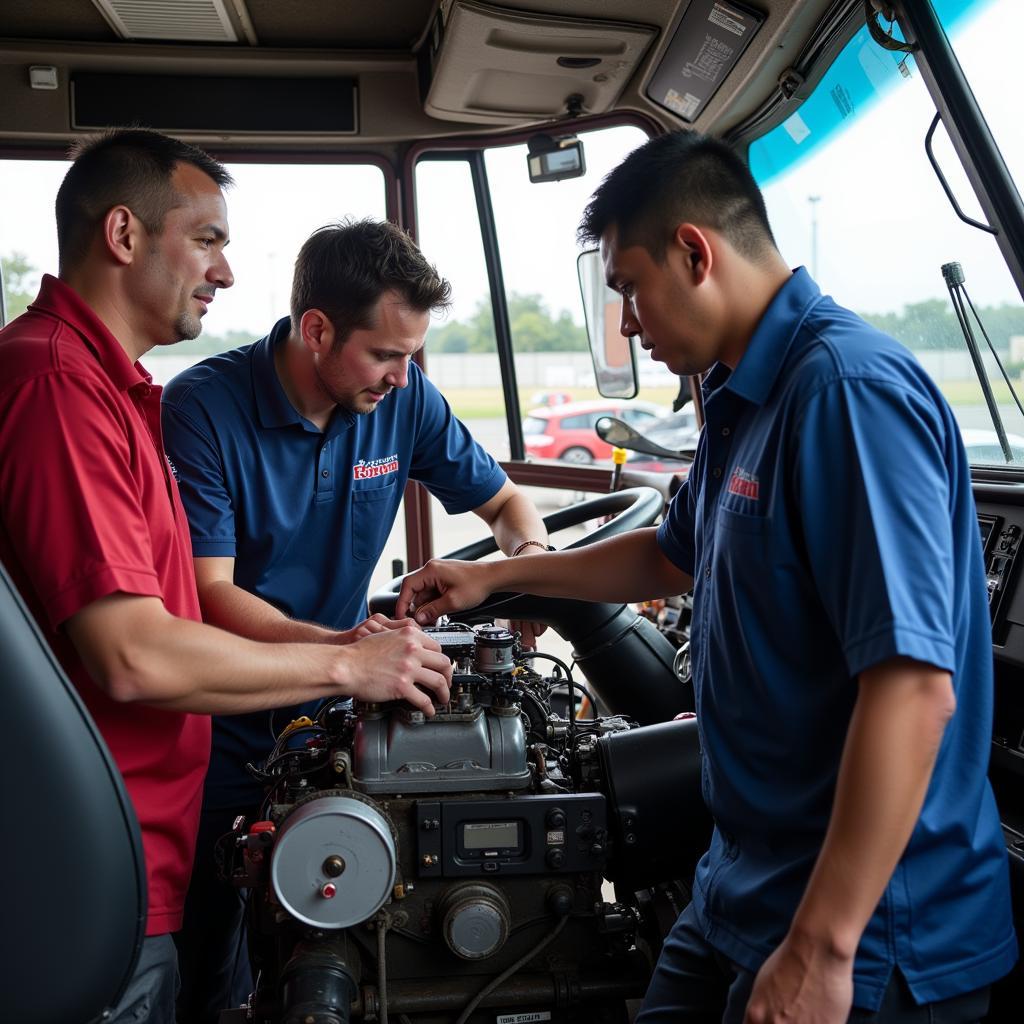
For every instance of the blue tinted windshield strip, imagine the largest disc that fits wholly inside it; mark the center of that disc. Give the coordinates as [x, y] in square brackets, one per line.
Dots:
[861, 74]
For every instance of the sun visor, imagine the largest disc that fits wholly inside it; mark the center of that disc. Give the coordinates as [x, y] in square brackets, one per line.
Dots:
[706, 45]
[485, 65]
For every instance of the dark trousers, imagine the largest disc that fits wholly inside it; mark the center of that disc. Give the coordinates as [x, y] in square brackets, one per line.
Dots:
[150, 993]
[694, 982]
[212, 955]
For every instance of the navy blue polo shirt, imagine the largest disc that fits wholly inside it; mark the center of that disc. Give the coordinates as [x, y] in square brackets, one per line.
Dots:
[829, 524]
[305, 513]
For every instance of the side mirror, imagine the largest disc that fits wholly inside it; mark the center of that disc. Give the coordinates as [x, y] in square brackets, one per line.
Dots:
[551, 159]
[613, 355]
[622, 435]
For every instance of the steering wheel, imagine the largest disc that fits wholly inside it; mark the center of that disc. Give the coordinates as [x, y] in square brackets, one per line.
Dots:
[632, 508]
[613, 646]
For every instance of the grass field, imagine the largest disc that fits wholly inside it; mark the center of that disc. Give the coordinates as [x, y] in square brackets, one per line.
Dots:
[968, 392]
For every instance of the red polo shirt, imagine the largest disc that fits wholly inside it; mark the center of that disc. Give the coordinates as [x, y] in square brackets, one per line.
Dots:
[88, 507]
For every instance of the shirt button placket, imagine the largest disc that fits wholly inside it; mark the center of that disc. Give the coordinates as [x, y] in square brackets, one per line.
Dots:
[325, 482]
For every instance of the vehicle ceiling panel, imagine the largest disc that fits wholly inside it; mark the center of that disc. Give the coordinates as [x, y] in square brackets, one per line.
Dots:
[299, 23]
[65, 20]
[327, 37]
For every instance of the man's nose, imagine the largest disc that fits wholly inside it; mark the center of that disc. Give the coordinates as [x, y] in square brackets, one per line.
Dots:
[220, 273]
[628, 323]
[399, 377]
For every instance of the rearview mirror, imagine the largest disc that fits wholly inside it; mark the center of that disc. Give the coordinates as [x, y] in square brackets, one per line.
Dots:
[551, 159]
[613, 355]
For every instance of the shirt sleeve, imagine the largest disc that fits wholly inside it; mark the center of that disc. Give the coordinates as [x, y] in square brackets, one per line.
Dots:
[873, 491]
[676, 532]
[447, 460]
[199, 470]
[71, 505]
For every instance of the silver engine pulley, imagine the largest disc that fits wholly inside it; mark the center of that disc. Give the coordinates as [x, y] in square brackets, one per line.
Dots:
[334, 862]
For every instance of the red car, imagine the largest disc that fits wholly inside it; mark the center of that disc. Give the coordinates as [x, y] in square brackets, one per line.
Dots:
[567, 431]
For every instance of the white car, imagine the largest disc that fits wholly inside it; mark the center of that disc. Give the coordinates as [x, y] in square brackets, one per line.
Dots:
[983, 448]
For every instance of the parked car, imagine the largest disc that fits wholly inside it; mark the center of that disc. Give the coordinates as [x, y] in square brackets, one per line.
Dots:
[983, 448]
[677, 431]
[552, 398]
[566, 431]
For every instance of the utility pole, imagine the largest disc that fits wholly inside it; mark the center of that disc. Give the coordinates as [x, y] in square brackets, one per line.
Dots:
[814, 200]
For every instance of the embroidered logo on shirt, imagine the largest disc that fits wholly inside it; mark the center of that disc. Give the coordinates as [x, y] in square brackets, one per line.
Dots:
[744, 483]
[366, 469]
[173, 468]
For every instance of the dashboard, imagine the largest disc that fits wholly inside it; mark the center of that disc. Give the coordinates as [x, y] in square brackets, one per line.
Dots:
[1001, 521]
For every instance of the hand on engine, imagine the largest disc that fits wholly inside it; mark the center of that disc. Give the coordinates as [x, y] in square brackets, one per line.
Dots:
[528, 632]
[400, 664]
[376, 623]
[441, 587]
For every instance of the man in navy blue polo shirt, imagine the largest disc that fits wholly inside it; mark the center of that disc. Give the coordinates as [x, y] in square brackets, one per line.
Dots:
[292, 455]
[840, 636]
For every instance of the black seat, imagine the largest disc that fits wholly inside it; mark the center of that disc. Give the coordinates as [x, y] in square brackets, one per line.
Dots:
[75, 882]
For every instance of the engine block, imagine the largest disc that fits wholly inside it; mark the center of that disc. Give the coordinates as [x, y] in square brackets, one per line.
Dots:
[445, 868]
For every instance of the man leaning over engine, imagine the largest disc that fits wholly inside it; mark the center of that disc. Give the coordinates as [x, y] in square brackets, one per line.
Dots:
[292, 455]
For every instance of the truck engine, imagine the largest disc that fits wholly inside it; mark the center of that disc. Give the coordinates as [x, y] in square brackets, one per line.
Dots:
[451, 868]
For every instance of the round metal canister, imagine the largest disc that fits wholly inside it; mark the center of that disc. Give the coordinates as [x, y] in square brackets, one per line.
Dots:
[305, 860]
[493, 652]
[475, 921]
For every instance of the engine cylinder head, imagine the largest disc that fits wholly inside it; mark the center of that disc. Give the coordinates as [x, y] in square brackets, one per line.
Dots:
[475, 921]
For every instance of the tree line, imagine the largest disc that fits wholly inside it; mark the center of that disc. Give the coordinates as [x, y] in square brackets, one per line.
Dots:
[928, 325]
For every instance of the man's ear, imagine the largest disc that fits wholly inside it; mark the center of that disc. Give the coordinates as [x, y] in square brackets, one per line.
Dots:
[122, 234]
[693, 246]
[317, 331]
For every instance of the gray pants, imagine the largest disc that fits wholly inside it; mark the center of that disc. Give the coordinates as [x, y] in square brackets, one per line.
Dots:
[154, 985]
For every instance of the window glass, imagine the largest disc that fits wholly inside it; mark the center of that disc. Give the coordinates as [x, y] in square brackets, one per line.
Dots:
[573, 422]
[460, 349]
[638, 417]
[851, 195]
[272, 209]
[985, 35]
[536, 225]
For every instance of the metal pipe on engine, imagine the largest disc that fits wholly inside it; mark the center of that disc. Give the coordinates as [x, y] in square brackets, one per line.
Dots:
[557, 990]
[317, 986]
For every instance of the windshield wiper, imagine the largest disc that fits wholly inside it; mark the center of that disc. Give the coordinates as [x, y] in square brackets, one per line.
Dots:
[953, 275]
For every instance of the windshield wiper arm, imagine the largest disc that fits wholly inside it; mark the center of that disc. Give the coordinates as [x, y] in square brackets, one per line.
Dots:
[953, 274]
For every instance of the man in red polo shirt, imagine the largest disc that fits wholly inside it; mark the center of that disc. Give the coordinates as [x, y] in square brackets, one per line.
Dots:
[92, 529]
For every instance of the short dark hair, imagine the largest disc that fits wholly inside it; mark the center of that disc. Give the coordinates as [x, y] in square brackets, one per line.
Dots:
[132, 166]
[343, 269]
[674, 178]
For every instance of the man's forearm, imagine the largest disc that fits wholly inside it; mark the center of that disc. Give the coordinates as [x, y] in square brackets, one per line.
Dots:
[514, 521]
[890, 750]
[136, 651]
[629, 567]
[228, 606]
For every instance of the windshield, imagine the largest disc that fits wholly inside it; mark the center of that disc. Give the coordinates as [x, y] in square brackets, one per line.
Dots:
[852, 196]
